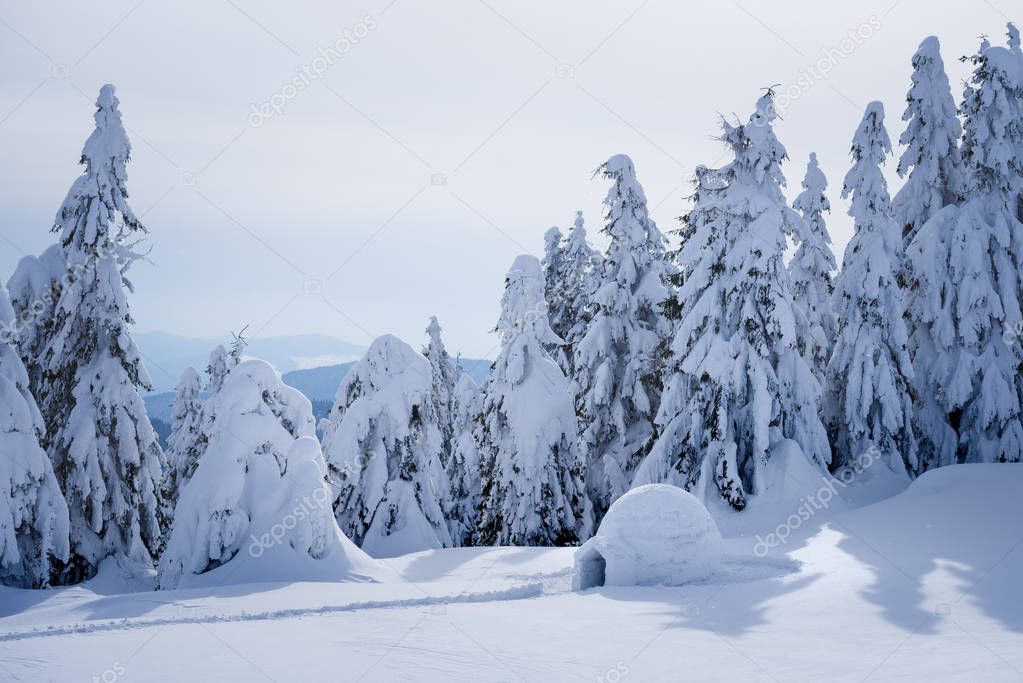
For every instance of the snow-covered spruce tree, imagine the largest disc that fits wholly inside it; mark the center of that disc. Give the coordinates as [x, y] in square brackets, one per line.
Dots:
[570, 276]
[383, 449]
[445, 373]
[615, 363]
[964, 301]
[34, 290]
[258, 500]
[103, 448]
[219, 365]
[1014, 48]
[186, 442]
[810, 272]
[553, 265]
[931, 158]
[868, 402]
[33, 513]
[463, 467]
[533, 490]
[737, 386]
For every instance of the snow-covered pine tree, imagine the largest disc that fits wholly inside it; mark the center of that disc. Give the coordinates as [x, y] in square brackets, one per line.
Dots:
[34, 289]
[964, 300]
[383, 451]
[219, 365]
[186, 442]
[553, 265]
[33, 513]
[1014, 48]
[584, 267]
[569, 288]
[810, 272]
[103, 448]
[615, 363]
[737, 387]
[445, 375]
[931, 158]
[533, 489]
[555, 294]
[258, 500]
[868, 403]
[463, 468]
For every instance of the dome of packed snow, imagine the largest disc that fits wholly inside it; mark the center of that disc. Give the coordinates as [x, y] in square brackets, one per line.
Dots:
[653, 535]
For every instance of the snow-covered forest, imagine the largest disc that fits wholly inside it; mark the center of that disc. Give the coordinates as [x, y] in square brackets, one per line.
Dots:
[731, 356]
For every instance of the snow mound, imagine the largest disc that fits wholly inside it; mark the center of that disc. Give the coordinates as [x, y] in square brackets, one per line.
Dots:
[653, 535]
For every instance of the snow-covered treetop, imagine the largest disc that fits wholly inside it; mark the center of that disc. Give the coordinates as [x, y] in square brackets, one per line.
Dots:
[28, 420]
[992, 108]
[105, 157]
[433, 331]
[758, 153]
[189, 383]
[626, 201]
[931, 112]
[577, 249]
[1013, 34]
[871, 145]
[634, 240]
[552, 239]
[388, 362]
[108, 146]
[931, 138]
[34, 276]
[579, 223]
[523, 307]
[219, 365]
[812, 201]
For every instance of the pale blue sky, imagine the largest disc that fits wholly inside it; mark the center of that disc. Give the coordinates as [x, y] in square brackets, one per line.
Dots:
[324, 218]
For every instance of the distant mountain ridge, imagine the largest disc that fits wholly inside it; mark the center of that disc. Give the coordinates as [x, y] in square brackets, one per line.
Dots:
[166, 355]
[318, 384]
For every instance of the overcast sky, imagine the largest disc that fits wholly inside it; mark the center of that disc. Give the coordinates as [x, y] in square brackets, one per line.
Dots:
[433, 143]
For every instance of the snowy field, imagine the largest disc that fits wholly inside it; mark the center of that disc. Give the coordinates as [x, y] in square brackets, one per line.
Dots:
[921, 586]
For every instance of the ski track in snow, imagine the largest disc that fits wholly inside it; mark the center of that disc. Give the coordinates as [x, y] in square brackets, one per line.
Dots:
[521, 592]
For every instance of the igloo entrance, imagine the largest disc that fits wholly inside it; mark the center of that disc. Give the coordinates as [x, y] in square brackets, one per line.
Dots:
[592, 570]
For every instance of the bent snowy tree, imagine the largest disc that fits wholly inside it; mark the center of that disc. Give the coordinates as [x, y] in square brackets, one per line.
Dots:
[383, 448]
[258, 501]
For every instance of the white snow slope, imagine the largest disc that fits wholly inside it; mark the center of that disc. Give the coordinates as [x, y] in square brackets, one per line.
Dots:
[922, 586]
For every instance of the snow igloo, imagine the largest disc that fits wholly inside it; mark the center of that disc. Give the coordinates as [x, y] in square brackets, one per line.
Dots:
[653, 535]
